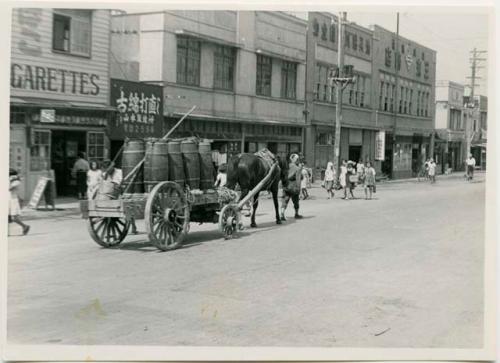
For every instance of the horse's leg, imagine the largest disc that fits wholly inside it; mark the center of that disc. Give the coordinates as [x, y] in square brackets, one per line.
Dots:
[254, 209]
[274, 192]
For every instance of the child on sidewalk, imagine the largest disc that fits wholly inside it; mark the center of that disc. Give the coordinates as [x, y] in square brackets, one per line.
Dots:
[14, 206]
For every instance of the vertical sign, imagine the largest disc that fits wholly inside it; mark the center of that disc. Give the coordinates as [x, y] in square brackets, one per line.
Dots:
[380, 145]
[140, 109]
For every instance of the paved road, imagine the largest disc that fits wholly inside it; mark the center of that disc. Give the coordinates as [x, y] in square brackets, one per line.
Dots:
[403, 270]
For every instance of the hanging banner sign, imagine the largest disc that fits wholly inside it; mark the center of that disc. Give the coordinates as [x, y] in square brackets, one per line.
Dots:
[140, 110]
[380, 145]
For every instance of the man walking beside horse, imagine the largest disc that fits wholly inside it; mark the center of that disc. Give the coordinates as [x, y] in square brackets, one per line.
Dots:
[292, 188]
[248, 170]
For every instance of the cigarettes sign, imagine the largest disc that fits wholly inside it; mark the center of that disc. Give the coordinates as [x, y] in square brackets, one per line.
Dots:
[380, 146]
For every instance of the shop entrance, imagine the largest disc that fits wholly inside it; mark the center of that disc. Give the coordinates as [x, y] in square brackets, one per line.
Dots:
[355, 153]
[65, 148]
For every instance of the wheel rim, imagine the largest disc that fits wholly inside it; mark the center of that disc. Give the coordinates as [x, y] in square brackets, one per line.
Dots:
[108, 231]
[229, 221]
[168, 215]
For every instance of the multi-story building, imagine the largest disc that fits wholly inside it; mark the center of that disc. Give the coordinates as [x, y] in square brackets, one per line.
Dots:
[404, 91]
[476, 119]
[245, 72]
[358, 132]
[59, 92]
[450, 143]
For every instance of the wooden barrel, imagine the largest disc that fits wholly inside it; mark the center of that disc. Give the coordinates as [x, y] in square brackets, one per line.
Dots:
[156, 164]
[133, 153]
[206, 165]
[189, 149]
[175, 162]
[107, 190]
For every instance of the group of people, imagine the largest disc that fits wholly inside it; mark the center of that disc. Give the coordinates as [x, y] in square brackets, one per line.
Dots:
[351, 174]
[430, 170]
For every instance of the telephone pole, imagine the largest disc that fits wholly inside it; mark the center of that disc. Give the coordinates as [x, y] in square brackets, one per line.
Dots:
[341, 81]
[475, 59]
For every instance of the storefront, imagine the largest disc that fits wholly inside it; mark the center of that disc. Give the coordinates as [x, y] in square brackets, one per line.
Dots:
[230, 137]
[46, 139]
[405, 155]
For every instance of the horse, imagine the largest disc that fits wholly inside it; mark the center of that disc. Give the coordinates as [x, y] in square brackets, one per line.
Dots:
[248, 170]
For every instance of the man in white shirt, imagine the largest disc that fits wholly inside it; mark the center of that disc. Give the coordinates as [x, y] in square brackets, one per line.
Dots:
[471, 163]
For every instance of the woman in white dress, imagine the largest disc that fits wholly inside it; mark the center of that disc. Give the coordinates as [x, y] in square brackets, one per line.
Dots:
[343, 177]
[14, 206]
[94, 179]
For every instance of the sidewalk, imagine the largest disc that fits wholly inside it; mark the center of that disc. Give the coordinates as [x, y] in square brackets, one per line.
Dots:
[71, 206]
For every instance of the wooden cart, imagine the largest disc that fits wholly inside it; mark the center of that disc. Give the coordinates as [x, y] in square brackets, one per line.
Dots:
[167, 210]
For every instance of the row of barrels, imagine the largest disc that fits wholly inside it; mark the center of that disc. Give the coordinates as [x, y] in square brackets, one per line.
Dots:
[187, 162]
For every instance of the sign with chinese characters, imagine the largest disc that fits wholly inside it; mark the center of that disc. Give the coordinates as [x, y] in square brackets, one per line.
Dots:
[139, 110]
[48, 116]
[380, 145]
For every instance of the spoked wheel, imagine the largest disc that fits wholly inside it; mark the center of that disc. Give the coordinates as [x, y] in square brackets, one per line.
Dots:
[108, 231]
[229, 220]
[167, 216]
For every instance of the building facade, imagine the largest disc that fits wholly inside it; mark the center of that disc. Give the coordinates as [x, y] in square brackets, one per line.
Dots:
[476, 118]
[404, 74]
[245, 72]
[450, 143]
[59, 92]
[358, 132]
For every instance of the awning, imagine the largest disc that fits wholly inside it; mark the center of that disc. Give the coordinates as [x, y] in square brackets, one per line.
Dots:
[48, 103]
[242, 121]
[207, 38]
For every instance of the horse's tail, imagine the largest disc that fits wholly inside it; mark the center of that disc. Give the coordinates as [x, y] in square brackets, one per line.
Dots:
[232, 171]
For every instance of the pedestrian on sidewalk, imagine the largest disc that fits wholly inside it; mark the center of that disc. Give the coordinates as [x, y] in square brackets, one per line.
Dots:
[426, 166]
[79, 171]
[304, 182]
[115, 176]
[14, 206]
[94, 179]
[369, 180]
[330, 177]
[352, 178]
[432, 171]
[343, 177]
[471, 164]
[292, 189]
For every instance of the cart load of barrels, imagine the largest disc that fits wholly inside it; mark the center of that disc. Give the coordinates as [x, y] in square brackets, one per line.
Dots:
[187, 162]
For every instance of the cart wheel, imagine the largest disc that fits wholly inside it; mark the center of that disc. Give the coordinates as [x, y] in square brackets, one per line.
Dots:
[108, 231]
[229, 220]
[167, 216]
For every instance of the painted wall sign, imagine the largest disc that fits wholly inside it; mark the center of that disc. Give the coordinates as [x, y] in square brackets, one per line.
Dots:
[75, 120]
[140, 109]
[56, 80]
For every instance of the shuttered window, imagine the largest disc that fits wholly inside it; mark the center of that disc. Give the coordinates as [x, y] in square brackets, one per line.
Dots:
[264, 73]
[72, 31]
[224, 67]
[188, 61]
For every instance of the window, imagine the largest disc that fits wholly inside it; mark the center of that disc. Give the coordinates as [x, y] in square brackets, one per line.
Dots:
[264, 72]
[388, 57]
[381, 96]
[354, 42]
[386, 96]
[188, 61]
[347, 40]
[401, 101]
[315, 27]
[398, 61]
[288, 79]
[410, 103]
[402, 48]
[95, 146]
[419, 68]
[423, 56]
[71, 31]
[324, 30]
[393, 45]
[426, 70]
[418, 103]
[324, 90]
[40, 150]
[332, 33]
[224, 67]
[361, 43]
[414, 52]
[392, 96]
[367, 47]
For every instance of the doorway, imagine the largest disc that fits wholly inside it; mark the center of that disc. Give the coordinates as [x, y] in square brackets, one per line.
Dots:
[65, 148]
[355, 152]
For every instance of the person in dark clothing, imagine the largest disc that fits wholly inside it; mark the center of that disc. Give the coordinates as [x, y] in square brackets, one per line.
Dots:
[292, 190]
[79, 171]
